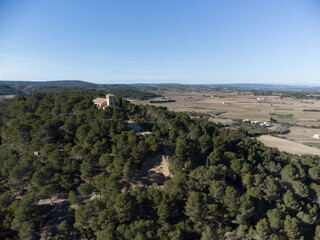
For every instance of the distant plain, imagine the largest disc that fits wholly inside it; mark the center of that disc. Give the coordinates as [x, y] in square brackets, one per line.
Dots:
[226, 106]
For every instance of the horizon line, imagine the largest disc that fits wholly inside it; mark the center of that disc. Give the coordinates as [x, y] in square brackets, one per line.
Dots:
[163, 83]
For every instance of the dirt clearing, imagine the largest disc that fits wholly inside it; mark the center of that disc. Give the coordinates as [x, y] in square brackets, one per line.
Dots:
[287, 145]
[154, 170]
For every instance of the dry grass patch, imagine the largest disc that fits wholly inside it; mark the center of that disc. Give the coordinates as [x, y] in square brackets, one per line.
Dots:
[287, 145]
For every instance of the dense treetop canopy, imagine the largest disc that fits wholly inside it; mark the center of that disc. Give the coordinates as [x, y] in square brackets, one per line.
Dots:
[225, 185]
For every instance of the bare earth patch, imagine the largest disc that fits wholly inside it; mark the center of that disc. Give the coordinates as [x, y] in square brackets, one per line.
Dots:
[134, 125]
[163, 167]
[154, 169]
[47, 201]
[287, 145]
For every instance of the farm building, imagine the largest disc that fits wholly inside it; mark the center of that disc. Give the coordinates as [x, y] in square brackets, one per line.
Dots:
[266, 124]
[104, 102]
[317, 136]
[262, 124]
[255, 122]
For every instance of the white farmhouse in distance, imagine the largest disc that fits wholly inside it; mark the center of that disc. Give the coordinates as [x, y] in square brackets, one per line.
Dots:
[105, 102]
[317, 136]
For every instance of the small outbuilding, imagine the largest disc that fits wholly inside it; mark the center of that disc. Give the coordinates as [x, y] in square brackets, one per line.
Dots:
[255, 122]
[317, 136]
[266, 124]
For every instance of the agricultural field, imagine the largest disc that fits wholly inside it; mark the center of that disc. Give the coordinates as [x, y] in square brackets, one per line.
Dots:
[287, 145]
[302, 134]
[6, 97]
[301, 116]
[313, 144]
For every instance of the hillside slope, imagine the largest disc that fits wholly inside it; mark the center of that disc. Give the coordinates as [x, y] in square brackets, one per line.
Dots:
[221, 183]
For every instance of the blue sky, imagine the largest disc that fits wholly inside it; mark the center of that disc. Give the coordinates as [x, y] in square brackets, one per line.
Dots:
[145, 41]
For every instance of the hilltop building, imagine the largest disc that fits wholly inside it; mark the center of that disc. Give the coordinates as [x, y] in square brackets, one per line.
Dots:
[105, 102]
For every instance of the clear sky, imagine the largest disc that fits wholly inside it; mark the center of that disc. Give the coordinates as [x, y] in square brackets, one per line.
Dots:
[161, 41]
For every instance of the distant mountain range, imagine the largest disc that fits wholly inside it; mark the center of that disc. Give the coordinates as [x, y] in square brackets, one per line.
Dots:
[26, 87]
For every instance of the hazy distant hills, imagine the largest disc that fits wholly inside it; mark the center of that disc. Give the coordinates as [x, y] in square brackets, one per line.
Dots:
[26, 87]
